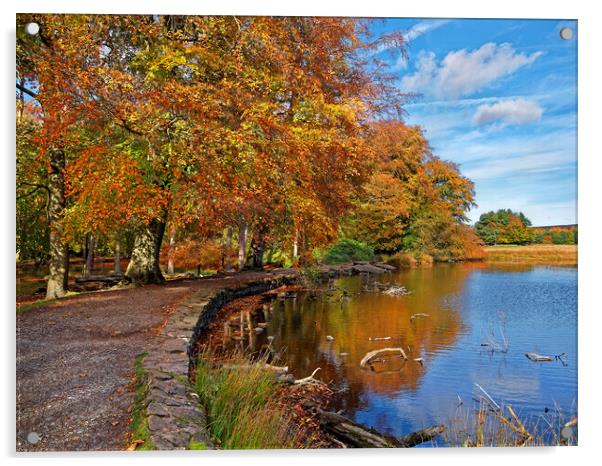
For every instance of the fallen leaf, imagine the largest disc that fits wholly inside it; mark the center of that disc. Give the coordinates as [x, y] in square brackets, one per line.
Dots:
[134, 444]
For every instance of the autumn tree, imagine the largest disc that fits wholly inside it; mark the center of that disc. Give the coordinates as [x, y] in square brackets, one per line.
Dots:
[32, 234]
[256, 124]
[414, 201]
[48, 66]
[504, 227]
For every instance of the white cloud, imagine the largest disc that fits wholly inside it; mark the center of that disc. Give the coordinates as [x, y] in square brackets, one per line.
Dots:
[423, 27]
[463, 72]
[528, 164]
[511, 112]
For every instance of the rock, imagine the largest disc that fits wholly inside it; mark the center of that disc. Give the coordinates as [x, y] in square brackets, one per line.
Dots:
[169, 387]
[174, 345]
[286, 379]
[258, 330]
[382, 265]
[329, 338]
[157, 423]
[367, 268]
[157, 409]
[159, 375]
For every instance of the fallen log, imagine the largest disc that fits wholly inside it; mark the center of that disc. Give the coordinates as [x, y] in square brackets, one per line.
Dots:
[421, 436]
[101, 279]
[372, 354]
[357, 435]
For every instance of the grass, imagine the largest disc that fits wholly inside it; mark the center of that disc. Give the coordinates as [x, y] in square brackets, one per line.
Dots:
[552, 254]
[139, 424]
[240, 405]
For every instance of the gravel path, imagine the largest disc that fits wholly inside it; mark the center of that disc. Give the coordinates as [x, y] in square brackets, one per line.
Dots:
[75, 362]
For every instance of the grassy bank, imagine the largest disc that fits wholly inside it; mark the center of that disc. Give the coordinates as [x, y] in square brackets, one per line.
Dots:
[550, 254]
[239, 397]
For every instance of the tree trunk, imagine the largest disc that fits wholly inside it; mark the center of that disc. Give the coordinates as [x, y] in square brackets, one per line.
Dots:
[89, 256]
[228, 265]
[242, 244]
[171, 251]
[117, 267]
[296, 245]
[257, 248]
[144, 263]
[59, 250]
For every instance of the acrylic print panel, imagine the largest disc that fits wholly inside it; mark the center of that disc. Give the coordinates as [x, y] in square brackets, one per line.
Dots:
[295, 232]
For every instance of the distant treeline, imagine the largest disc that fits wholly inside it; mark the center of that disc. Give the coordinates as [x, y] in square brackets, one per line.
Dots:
[508, 227]
[558, 234]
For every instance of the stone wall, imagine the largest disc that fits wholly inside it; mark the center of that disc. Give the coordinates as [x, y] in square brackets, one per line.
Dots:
[176, 419]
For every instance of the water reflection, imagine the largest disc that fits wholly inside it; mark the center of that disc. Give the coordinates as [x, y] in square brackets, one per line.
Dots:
[301, 326]
[460, 301]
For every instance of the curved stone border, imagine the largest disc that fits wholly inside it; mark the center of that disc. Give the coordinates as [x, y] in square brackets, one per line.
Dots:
[176, 419]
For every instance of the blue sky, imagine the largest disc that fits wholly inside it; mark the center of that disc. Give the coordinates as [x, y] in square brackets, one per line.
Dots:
[499, 98]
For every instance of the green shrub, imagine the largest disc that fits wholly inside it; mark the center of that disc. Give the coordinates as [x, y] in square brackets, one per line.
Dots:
[347, 250]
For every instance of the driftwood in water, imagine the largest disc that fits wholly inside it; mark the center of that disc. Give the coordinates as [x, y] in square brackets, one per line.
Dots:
[357, 435]
[395, 290]
[372, 354]
[309, 380]
[538, 357]
[542, 358]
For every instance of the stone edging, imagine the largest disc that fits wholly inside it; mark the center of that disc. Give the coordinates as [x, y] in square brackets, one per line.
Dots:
[176, 419]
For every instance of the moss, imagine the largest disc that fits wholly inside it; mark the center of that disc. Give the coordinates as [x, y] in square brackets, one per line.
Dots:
[197, 446]
[139, 424]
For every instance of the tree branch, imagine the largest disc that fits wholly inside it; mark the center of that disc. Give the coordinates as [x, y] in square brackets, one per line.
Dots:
[26, 91]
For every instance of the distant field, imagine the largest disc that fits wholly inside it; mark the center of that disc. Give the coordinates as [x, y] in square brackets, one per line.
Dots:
[557, 254]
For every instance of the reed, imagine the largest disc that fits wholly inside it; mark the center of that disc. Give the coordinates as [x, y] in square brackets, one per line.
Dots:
[493, 424]
[241, 406]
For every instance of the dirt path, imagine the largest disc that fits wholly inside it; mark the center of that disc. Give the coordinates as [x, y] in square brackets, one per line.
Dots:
[75, 362]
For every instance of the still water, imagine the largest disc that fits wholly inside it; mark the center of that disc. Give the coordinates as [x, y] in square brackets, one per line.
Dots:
[534, 307]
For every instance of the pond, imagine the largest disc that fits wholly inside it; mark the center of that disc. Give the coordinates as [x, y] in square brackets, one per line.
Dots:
[533, 309]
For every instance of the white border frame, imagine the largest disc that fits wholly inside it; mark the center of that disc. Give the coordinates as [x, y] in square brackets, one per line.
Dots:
[589, 192]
